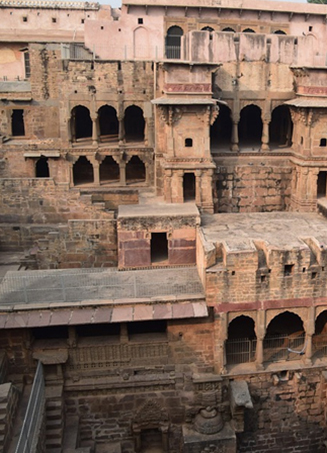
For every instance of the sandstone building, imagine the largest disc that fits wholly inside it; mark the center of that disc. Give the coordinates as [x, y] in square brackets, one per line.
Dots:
[163, 232]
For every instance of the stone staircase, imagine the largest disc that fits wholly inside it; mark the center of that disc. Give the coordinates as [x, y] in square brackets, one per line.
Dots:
[54, 419]
[9, 397]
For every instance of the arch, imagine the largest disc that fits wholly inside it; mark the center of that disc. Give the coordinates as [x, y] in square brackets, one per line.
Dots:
[173, 42]
[248, 30]
[284, 339]
[109, 170]
[141, 43]
[250, 126]
[229, 30]
[280, 32]
[42, 168]
[17, 123]
[281, 127]
[134, 124]
[221, 130]
[83, 171]
[189, 189]
[135, 170]
[108, 123]
[319, 340]
[81, 122]
[207, 28]
[241, 340]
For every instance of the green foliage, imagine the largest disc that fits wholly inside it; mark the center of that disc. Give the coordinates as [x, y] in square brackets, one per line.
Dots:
[321, 2]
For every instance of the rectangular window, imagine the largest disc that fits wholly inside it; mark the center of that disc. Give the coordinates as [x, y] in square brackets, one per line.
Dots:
[27, 65]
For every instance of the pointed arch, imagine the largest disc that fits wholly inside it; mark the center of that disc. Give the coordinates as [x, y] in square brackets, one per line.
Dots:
[141, 43]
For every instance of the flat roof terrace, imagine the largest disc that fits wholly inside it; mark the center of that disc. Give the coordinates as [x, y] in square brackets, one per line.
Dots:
[283, 230]
[82, 296]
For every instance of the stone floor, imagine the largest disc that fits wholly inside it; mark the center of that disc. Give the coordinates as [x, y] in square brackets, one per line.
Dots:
[284, 230]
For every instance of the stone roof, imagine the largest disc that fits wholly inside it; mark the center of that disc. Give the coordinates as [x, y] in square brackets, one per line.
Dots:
[314, 102]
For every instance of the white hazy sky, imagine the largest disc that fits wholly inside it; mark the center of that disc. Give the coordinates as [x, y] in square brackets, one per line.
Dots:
[117, 3]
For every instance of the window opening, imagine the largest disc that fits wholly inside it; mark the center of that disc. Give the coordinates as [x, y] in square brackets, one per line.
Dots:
[188, 142]
[42, 168]
[17, 123]
[173, 42]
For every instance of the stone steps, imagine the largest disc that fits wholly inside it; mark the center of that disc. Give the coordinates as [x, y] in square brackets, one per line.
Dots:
[9, 398]
[54, 419]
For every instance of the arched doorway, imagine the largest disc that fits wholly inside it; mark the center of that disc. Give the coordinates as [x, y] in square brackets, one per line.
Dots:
[109, 170]
[81, 123]
[134, 124]
[250, 127]
[83, 171]
[280, 127]
[189, 187]
[248, 30]
[135, 170]
[221, 130]
[279, 32]
[228, 29]
[284, 339]
[319, 340]
[173, 42]
[242, 341]
[42, 168]
[108, 123]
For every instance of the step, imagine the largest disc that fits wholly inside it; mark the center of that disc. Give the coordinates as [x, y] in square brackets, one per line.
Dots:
[56, 423]
[55, 433]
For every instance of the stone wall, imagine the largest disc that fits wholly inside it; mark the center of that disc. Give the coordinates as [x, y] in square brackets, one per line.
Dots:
[287, 416]
[252, 187]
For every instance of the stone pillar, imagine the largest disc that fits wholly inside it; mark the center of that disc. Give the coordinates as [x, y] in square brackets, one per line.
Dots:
[168, 186]
[265, 136]
[72, 127]
[121, 130]
[146, 132]
[198, 188]
[309, 332]
[235, 141]
[147, 173]
[260, 332]
[122, 173]
[94, 131]
[96, 173]
[180, 188]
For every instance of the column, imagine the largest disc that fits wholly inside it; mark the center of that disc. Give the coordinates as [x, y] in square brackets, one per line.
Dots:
[72, 127]
[235, 146]
[167, 186]
[198, 188]
[94, 131]
[265, 136]
[146, 132]
[147, 173]
[96, 173]
[122, 173]
[121, 130]
[309, 332]
[260, 332]
[180, 188]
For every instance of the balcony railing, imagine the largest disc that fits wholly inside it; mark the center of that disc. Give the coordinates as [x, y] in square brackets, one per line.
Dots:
[173, 52]
[240, 350]
[29, 435]
[319, 345]
[283, 347]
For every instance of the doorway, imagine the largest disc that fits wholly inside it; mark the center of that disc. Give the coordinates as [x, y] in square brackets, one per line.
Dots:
[189, 187]
[159, 248]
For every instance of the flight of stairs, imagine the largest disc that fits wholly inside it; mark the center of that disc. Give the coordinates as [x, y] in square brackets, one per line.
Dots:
[54, 419]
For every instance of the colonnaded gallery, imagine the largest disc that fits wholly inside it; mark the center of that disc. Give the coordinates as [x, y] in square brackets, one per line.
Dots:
[163, 230]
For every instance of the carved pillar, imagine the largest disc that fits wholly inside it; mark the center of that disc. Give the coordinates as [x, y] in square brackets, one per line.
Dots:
[265, 136]
[235, 140]
[121, 130]
[94, 131]
[71, 174]
[146, 132]
[198, 188]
